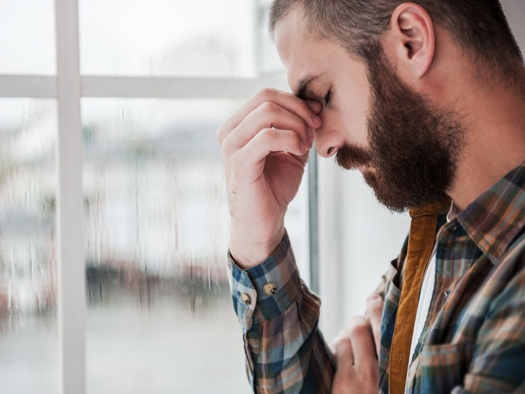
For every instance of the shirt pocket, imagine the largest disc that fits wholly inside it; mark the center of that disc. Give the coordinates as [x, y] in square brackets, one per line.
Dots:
[443, 367]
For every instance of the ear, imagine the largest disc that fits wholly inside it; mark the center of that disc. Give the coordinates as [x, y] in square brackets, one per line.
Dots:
[411, 40]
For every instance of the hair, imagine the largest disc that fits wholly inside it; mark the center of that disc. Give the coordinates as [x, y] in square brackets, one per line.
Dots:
[479, 27]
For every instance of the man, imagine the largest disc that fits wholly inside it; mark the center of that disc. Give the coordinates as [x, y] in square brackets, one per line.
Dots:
[427, 100]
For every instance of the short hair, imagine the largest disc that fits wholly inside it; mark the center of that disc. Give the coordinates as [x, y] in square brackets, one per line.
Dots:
[478, 26]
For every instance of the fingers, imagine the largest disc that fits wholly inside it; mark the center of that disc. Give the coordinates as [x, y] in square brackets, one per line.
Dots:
[344, 353]
[362, 343]
[272, 140]
[284, 100]
[375, 311]
[268, 115]
[360, 332]
[357, 365]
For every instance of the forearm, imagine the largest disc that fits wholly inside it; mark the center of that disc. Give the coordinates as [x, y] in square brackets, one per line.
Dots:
[285, 350]
[289, 353]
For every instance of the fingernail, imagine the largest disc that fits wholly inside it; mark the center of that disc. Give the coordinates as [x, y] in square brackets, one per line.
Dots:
[316, 121]
[315, 106]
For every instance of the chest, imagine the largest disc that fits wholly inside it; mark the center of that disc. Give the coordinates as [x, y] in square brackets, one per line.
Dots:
[466, 285]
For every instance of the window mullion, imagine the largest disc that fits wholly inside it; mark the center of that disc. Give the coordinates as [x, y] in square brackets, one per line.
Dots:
[70, 211]
[142, 87]
[28, 86]
[176, 87]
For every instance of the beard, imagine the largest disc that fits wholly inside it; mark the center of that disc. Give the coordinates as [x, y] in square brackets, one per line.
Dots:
[413, 147]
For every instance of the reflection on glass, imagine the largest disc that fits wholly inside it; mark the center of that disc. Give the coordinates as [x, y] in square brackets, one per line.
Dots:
[27, 37]
[28, 332]
[167, 37]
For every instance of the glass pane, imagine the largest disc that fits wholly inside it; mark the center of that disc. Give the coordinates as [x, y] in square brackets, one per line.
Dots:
[167, 37]
[27, 37]
[28, 326]
[160, 318]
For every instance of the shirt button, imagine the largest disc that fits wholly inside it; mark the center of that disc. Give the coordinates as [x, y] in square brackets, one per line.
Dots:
[246, 298]
[270, 288]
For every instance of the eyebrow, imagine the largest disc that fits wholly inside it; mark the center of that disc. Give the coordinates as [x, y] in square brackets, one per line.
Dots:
[305, 91]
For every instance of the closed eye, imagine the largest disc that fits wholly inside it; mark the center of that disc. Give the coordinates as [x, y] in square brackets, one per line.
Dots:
[327, 97]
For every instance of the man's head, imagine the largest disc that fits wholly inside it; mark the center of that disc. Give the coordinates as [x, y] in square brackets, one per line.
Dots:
[385, 84]
[477, 26]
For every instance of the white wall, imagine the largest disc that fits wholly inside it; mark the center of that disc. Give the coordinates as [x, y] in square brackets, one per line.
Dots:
[359, 238]
[515, 11]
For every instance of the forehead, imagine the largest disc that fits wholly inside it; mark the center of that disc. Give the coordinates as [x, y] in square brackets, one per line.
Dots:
[297, 48]
[305, 55]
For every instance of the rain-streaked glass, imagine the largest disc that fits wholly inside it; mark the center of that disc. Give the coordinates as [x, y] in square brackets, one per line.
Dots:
[160, 317]
[27, 37]
[28, 274]
[167, 37]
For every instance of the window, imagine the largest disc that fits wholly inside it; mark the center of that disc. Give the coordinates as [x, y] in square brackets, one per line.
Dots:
[28, 265]
[167, 37]
[156, 237]
[27, 37]
[113, 218]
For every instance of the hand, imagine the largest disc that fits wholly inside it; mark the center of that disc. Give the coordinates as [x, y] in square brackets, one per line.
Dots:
[357, 350]
[265, 147]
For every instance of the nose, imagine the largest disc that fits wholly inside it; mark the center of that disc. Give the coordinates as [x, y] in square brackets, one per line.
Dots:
[327, 141]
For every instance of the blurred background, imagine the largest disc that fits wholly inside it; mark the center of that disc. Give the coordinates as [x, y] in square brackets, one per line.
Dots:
[158, 311]
[159, 315]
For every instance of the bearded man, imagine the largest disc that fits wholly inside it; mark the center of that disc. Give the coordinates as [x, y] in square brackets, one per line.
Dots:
[427, 100]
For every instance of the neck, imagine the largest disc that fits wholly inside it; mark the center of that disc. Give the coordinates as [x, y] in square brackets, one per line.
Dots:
[494, 140]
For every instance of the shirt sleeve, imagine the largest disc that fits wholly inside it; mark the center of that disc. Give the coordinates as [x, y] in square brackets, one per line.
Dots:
[285, 350]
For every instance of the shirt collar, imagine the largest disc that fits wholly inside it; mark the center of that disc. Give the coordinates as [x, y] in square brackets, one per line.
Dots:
[431, 209]
[496, 217]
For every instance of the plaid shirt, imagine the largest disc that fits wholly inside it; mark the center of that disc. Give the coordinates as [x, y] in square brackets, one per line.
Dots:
[474, 336]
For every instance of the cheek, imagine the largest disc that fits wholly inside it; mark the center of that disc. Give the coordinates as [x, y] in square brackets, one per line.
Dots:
[355, 126]
[356, 108]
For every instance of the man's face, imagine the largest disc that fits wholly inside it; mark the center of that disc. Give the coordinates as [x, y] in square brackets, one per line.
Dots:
[404, 147]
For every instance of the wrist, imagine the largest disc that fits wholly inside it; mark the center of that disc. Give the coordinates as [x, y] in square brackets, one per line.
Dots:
[248, 253]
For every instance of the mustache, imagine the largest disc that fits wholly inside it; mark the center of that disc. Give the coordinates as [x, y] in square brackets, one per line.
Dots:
[350, 157]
